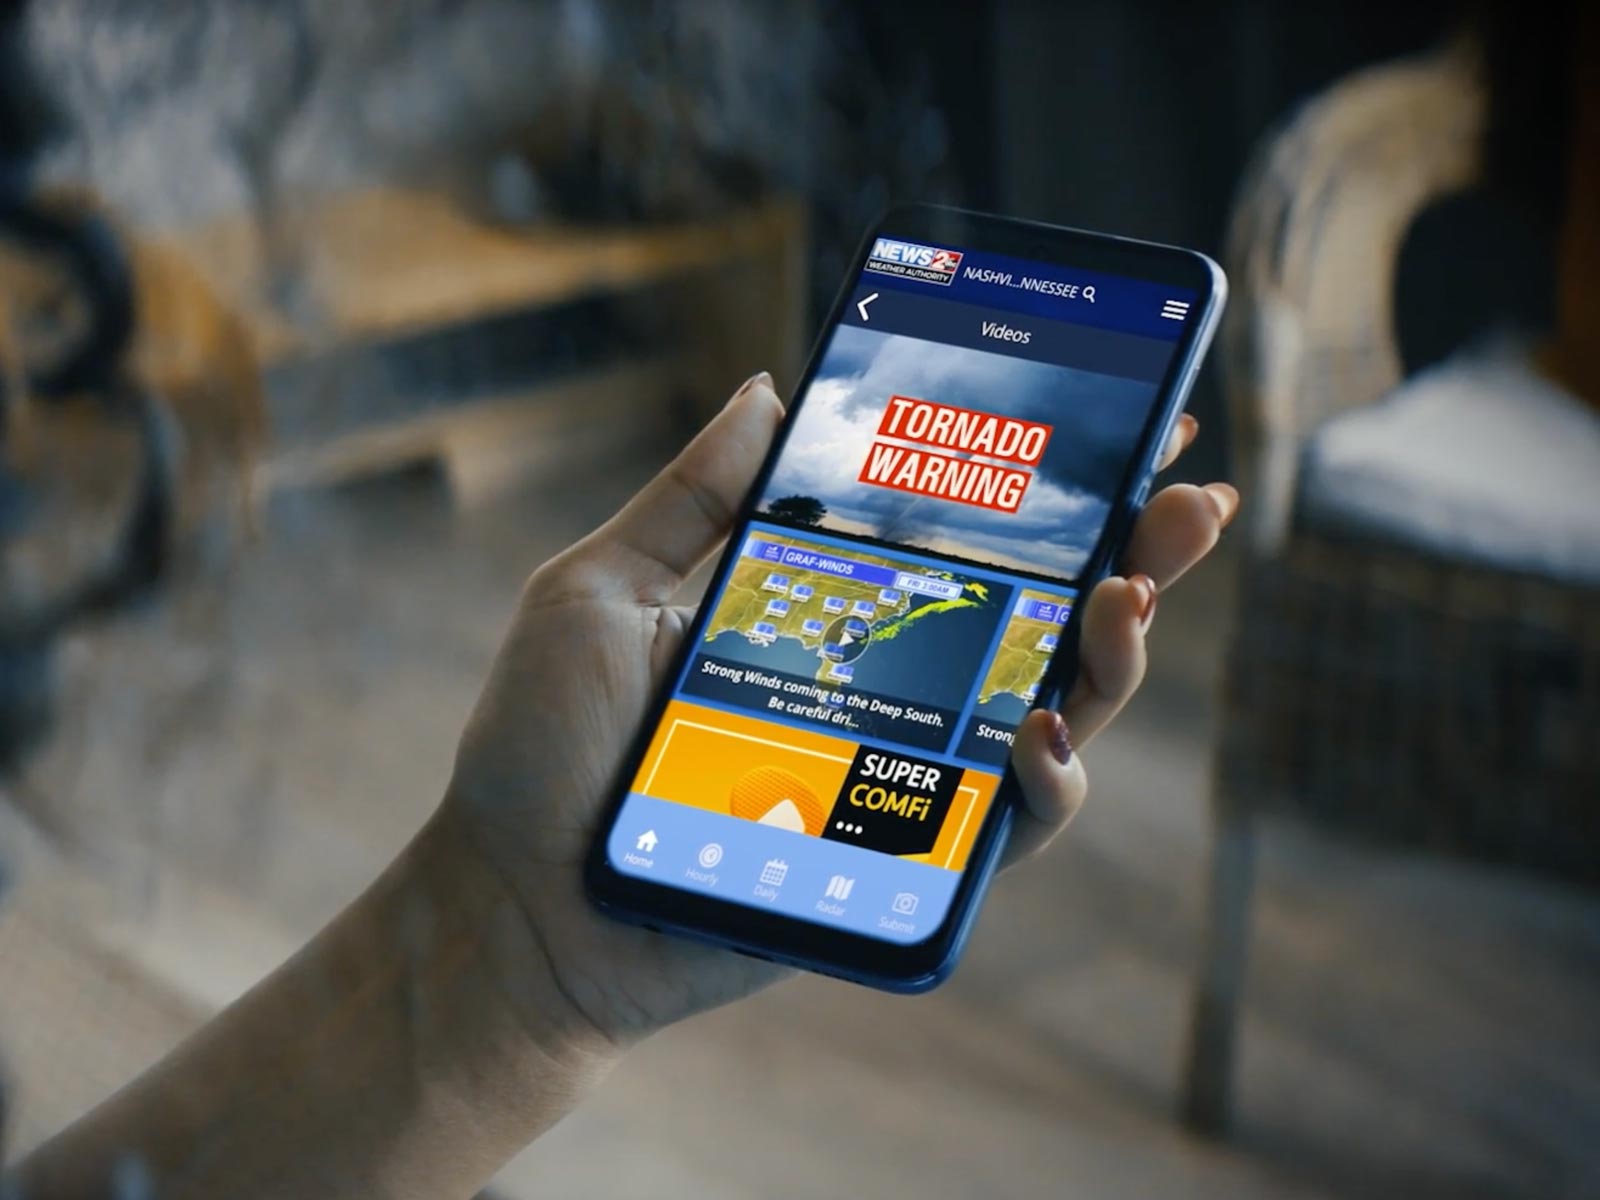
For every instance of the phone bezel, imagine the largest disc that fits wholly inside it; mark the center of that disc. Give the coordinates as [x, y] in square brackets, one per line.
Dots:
[918, 965]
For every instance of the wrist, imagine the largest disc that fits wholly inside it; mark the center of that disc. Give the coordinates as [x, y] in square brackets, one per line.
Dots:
[476, 955]
[412, 1048]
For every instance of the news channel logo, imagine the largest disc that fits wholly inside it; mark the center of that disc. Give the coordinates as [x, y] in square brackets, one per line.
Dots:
[911, 260]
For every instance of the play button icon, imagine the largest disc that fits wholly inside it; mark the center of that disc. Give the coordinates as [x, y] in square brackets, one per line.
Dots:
[845, 640]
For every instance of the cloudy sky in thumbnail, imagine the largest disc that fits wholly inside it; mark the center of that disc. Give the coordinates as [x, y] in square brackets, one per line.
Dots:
[1097, 419]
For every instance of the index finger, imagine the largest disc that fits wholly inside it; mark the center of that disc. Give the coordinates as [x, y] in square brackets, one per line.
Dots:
[1178, 528]
[1183, 434]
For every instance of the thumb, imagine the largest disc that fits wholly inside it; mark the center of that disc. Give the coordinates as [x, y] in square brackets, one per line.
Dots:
[681, 515]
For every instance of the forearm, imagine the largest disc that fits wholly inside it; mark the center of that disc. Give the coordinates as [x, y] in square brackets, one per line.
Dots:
[409, 1050]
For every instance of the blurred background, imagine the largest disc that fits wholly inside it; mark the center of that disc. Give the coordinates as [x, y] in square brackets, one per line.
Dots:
[322, 325]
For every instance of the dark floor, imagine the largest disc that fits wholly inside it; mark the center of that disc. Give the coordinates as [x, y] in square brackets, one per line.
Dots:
[250, 755]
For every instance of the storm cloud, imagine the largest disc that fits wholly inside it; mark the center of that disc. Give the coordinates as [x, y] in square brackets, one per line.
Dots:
[1096, 418]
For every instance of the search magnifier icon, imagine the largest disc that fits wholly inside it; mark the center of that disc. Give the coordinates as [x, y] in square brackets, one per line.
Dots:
[1088, 293]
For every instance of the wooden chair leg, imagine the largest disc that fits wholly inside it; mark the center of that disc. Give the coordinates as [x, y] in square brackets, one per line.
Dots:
[1214, 1013]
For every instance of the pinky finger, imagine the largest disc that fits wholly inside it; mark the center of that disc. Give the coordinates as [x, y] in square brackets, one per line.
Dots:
[1053, 784]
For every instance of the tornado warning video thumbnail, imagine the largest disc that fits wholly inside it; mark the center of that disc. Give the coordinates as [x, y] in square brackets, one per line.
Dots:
[990, 459]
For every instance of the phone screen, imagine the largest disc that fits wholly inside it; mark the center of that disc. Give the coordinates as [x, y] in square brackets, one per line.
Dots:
[838, 732]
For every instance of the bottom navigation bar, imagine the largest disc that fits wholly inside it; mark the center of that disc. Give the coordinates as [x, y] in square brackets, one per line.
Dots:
[765, 867]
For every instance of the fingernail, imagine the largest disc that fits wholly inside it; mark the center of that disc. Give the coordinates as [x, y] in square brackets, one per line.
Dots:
[760, 377]
[1146, 589]
[1224, 498]
[1060, 739]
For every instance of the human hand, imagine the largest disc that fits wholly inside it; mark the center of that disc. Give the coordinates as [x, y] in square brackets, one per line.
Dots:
[589, 648]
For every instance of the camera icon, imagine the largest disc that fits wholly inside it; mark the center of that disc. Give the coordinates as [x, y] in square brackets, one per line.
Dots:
[905, 903]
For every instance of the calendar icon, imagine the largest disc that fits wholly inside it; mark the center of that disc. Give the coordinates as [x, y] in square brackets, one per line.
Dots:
[774, 872]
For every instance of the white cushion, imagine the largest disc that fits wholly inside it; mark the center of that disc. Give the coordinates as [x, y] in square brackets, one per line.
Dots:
[1480, 458]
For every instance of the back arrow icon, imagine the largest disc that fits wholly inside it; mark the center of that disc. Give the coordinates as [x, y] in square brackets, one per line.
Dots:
[861, 306]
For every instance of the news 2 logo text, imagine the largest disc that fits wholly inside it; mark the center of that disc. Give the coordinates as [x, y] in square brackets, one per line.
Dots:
[909, 260]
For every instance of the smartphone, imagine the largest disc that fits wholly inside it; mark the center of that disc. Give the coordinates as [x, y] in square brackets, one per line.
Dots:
[824, 779]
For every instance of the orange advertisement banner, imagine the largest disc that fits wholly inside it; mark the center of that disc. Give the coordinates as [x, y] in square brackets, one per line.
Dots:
[783, 776]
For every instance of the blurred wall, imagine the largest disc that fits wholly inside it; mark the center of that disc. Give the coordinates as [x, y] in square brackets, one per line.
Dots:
[1133, 116]
[1138, 117]
[181, 112]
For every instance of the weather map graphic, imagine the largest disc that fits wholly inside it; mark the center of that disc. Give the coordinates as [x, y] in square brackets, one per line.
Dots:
[1025, 648]
[859, 641]
[1011, 684]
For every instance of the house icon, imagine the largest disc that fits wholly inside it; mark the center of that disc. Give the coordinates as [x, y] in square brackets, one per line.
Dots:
[647, 841]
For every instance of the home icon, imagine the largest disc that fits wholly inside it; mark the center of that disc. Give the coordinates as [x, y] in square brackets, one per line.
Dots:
[647, 841]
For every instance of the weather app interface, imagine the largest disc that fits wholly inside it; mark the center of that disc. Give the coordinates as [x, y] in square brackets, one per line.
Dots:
[839, 732]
